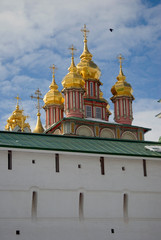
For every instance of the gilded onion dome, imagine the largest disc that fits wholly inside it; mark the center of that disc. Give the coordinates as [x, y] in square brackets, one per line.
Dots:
[17, 119]
[121, 87]
[86, 67]
[39, 128]
[73, 79]
[53, 96]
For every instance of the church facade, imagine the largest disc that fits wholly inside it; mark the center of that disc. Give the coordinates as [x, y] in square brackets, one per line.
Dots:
[83, 111]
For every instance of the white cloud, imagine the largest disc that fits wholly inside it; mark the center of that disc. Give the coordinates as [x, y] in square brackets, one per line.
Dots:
[145, 111]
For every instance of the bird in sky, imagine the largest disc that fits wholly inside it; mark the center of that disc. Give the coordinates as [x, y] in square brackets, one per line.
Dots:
[111, 29]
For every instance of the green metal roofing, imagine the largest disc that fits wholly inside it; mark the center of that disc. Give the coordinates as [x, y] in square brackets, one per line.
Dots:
[77, 144]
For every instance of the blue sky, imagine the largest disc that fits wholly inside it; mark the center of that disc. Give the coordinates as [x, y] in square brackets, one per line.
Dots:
[37, 33]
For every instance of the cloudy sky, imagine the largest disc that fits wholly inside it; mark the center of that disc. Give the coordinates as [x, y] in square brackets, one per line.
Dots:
[34, 34]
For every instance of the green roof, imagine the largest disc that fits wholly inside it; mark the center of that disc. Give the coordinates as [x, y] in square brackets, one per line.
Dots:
[77, 144]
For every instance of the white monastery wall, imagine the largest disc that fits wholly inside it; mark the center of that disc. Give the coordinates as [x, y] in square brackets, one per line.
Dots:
[79, 201]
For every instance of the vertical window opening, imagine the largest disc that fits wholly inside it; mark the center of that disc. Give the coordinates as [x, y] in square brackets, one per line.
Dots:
[9, 160]
[125, 207]
[98, 112]
[81, 202]
[144, 168]
[34, 204]
[88, 111]
[57, 162]
[91, 89]
[102, 164]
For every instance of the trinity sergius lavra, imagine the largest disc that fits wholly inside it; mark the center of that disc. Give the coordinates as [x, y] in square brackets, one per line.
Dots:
[82, 177]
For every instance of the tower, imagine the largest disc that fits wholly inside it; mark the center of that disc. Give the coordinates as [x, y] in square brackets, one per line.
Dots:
[54, 102]
[95, 105]
[122, 98]
[39, 128]
[16, 122]
[73, 89]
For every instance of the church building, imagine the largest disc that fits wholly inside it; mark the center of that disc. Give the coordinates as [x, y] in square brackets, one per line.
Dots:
[83, 177]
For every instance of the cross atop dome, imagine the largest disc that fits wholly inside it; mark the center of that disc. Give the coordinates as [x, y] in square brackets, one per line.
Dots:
[18, 98]
[39, 128]
[53, 68]
[38, 94]
[85, 31]
[72, 50]
[120, 58]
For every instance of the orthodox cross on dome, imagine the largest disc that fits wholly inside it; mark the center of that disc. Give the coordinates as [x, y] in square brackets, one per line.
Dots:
[38, 97]
[53, 68]
[120, 58]
[85, 31]
[18, 98]
[72, 50]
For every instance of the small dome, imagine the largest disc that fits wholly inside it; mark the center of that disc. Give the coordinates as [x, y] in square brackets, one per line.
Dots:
[86, 67]
[121, 87]
[39, 128]
[53, 96]
[17, 119]
[73, 79]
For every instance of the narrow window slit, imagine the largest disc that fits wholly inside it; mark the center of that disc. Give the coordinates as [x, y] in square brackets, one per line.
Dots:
[125, 207]
[9, 160]
[57, 162]
[102, 165]
[144, 168]
[34, 204]
[81, 203]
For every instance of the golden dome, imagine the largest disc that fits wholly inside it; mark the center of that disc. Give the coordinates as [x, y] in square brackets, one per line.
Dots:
[53, 96]
[39, 128]
[86, 67]
[121, 87]
[73, 79]
[17, 119]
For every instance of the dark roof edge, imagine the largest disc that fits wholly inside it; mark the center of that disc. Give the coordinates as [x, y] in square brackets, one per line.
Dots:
[81, 137]
[67, 150]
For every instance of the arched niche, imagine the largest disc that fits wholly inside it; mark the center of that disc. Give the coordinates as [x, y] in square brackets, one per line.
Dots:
[18, 129]
[107, 133]
[57, 132]
[128, 135]
[84, 131]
